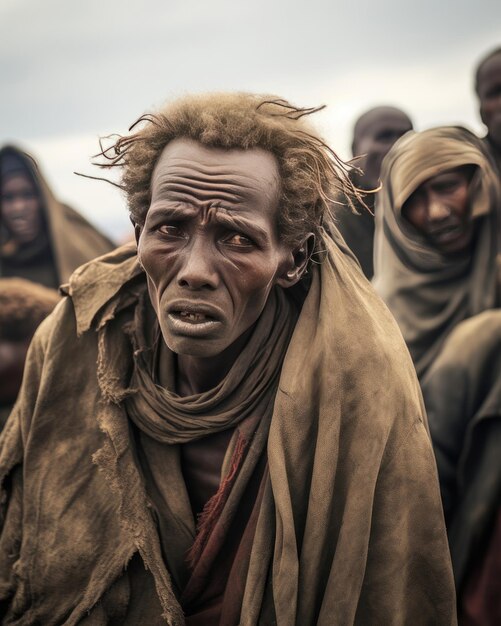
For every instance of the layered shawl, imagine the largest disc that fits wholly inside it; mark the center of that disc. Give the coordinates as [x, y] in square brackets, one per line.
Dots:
[428, 292]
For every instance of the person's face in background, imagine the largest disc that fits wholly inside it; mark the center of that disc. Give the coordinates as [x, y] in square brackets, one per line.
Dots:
[21, 208]
[374, 135]
[489, 93]
[440, 210]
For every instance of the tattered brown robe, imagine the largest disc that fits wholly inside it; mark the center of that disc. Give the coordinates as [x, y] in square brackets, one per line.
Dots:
[430, 293]
[349, 529]
[68, 241]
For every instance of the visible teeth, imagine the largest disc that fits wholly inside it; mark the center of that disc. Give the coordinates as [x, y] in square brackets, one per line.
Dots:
[193, 317]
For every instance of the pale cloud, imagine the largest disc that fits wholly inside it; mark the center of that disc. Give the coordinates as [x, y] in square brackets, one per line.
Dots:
[71, 71]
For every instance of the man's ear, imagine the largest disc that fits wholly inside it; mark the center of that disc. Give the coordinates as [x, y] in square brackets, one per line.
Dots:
[297, 262]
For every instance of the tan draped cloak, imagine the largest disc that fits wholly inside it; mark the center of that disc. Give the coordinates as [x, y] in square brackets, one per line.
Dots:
[348, 527]
[73, 240]
[429, 293]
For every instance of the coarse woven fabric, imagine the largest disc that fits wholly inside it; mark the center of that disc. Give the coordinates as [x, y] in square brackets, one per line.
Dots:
[72, 239]
[350, 528]
[429, 293]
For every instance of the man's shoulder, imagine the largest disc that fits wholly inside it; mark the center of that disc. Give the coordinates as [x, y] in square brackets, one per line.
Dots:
[102, 281]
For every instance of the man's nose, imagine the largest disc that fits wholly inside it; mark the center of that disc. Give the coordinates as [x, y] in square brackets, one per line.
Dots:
[437, 210]
[197, 269]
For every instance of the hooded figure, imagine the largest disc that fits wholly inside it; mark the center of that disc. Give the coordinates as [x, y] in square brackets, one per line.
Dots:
[430, 291]
[41, 239]
[237, 382]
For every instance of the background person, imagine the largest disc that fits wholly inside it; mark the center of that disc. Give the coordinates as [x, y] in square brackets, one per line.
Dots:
[41, 239]
[437, 236]
[374, 134]
[488, 88]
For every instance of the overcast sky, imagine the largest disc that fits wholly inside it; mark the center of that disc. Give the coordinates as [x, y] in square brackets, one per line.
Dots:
[70, 72]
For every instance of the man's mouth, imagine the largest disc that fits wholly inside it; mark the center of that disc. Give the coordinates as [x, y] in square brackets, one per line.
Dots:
[22, 226]
[450, 237]
[446, 233]
[193, 319]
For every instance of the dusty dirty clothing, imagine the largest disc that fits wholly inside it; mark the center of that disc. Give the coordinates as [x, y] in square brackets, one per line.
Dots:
[430, 293]
[462, 393]
[67, 240]
[347, 526]
[358, 231]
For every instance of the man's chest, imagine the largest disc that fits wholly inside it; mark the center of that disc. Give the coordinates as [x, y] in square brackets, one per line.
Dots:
[201, 463]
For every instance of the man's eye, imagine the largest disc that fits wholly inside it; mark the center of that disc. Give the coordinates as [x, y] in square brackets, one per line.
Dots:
[237, 239]
[171, 230]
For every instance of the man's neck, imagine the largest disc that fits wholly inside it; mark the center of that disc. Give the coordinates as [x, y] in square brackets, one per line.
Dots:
[198, 374]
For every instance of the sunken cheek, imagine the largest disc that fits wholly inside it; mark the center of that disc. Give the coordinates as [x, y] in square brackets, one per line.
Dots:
[158, 259]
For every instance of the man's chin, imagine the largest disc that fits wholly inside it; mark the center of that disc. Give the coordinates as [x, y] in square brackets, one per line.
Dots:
[457, 246]
[194, 347]
[24, 238]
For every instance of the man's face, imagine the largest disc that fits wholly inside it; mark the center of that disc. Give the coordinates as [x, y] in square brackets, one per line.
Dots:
[21, 208]
[210, 244]
[489, 92]
[439, 209]
[375, 140]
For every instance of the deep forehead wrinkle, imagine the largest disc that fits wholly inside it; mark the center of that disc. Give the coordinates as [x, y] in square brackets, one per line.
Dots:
[212, 213]
[220, 180]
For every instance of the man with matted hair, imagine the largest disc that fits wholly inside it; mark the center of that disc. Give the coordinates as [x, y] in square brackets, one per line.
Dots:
[488, 88]
[252, 447]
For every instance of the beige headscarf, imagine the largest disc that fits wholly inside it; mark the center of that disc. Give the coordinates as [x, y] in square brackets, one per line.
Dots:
[428, 292]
